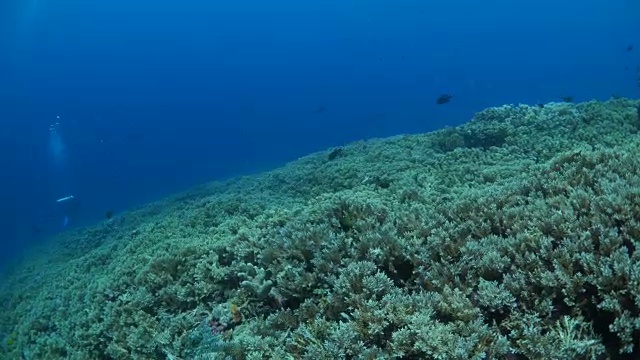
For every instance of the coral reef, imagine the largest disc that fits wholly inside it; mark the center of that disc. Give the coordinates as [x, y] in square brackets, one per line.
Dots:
[510, 237]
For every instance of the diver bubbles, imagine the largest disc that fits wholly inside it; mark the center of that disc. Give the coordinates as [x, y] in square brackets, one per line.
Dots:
[60, 176]
[57, 149]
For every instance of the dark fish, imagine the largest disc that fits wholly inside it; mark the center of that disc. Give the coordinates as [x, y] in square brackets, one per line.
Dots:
[630, 47]
[567, 99]
[108, 214]
[335, 153]
[320, 110]
[377, 116]
[443, 99]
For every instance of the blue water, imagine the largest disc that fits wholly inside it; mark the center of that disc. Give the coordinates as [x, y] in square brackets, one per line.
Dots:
[154, 97]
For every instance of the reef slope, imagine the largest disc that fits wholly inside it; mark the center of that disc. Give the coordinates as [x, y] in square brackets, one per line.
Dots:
[513, 236]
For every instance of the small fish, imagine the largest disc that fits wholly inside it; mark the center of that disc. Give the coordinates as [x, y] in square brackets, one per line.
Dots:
[377, 116]
[567, 99]
[630, 47]
[237, 315]
[335, 153]
[443, 99]
[66, 198]
[320, 110]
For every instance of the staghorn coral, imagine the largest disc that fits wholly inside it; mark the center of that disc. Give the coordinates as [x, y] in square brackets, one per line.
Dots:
[512, 236]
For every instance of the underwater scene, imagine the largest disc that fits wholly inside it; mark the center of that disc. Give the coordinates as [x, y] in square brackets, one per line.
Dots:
[319, 180]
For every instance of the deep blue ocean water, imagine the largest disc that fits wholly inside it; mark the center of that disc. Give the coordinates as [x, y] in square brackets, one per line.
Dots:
[154, 97]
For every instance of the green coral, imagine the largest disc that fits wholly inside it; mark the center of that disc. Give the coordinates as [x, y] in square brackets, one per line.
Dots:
[514, 235]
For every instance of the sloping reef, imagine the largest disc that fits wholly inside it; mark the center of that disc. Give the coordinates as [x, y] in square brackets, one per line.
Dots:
[513, 236]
